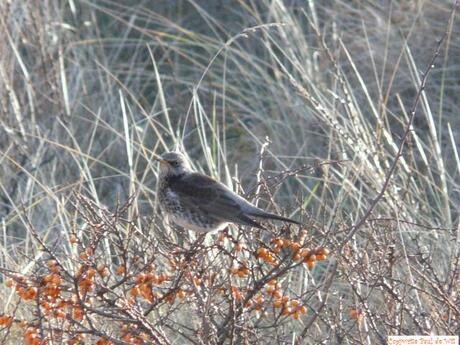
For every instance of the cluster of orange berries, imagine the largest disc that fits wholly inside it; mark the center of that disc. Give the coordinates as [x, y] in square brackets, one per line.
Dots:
[267, 256]
[23, 288]
[308, 257]
[257, 302]
[144, 283]
[32, 336]
[103, 341]
[52, 302]
[6, 320]
[236, 293]
[356, 314]
[86, 279]
[131, 335]
[288, 306]
[240, 271]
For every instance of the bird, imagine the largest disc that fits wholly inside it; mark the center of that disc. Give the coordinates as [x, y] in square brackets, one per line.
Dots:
[200, 203]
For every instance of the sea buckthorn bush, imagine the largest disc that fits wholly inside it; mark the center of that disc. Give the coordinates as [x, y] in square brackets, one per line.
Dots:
[340, 114]
[117, 284]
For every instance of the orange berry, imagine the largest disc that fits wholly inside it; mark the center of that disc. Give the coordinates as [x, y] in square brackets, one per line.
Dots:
[6, 320]
[83, 256]
[141, 278]
[73, 239]
[148, 277]
[236, 293]
[356, 314]
[278, 303]
[241, 274]
[30, 293]
[56, 280]
[303, 310]
[51, 263]
[278, 242]
[262, 252]
[59, 314]
[286, 311]
[277, 294]
[170, 298]
[31, 336]
[310, 264]
[271, 289]
[322, 251]
[321, 257]
[197, 281]
[295, 303]
[78, 313]
[295, 246]
[310, 257]
[296, 315]
[145, 289]
[276, 249]
[103, 341]
[103, 270]
[85, 285]
[52, 291]
[20, 290]
[9, 283]
[120, 270]
[48, 278]
[91, 273]
[135, 291]
[260, 299]
[153, 278]
[181, 294]
[271, 260]
[286, 243]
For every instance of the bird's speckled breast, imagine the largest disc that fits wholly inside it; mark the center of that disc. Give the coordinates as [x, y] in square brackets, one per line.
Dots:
[187, 217]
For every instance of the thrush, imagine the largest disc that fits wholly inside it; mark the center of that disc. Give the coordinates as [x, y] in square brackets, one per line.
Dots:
[200, 203]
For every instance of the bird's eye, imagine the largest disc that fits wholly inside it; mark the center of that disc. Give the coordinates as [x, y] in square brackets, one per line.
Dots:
[174, 164]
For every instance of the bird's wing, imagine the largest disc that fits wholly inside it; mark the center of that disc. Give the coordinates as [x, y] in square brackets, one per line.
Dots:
[204, 193]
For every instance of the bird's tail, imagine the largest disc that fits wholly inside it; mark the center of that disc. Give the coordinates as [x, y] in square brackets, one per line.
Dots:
[262, 214]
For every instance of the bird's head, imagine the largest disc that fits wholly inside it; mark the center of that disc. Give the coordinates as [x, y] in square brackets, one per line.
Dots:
[173, 164]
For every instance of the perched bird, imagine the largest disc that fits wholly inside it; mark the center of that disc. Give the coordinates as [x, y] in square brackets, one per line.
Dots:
[200, 203]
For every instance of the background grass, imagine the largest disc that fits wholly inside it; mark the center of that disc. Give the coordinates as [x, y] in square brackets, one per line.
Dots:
[91, 90]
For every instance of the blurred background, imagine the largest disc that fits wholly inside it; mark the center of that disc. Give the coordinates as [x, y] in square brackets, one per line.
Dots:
[85, 85]
[91, 90]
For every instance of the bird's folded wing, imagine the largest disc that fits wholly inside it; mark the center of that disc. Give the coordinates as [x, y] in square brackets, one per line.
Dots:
[202, 192]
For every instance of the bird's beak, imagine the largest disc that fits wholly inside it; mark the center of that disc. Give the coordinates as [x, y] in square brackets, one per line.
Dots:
[158, 159]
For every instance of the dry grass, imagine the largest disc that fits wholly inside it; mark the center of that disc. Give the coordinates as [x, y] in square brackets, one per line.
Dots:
[300, 106]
